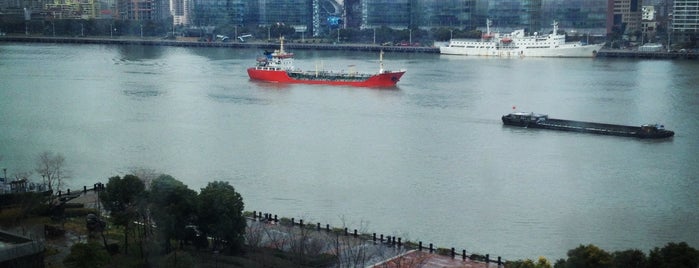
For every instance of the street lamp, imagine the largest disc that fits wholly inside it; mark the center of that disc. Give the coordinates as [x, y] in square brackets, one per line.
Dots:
[374, 36]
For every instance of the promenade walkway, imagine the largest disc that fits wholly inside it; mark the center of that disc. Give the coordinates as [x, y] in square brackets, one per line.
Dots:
[351, 250]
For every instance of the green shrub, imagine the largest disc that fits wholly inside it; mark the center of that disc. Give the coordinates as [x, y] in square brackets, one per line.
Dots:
[86, 255]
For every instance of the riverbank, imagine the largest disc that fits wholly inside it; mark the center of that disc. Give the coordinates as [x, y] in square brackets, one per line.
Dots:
[194, 43]
[183, 42]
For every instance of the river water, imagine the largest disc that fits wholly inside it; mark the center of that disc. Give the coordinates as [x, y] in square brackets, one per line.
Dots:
[427, 161]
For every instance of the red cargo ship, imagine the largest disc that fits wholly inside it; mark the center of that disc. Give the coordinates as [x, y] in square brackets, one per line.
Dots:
[278, 67]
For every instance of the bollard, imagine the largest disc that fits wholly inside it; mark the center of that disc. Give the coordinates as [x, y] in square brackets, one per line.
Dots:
[394, 241]
[318, 227]
[254, 215]
[345, 231]
[68, 192]
[260, 216]
[431, 249]
[487, 258]
[292, 221]
[355, 233]
[301, 223]
[374, 238]
[453, 253]
[327, 227]
[84, 189]
[399, 243]
[388, 239]
[419, 245]
[381, 238]
[275, 219]
[59, 193]
[463, 254]
[499, 261]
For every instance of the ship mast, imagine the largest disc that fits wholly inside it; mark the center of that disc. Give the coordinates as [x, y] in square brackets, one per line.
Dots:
[488, 22]
[381, 62]
[281, 45]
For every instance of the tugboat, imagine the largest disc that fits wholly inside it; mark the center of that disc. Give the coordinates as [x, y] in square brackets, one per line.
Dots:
[535, 120]
[278, 67]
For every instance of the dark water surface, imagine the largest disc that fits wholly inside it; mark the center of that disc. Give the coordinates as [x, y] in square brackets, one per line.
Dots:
[427, 161]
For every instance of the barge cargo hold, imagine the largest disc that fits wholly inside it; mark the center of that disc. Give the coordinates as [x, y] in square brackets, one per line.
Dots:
[534, 120]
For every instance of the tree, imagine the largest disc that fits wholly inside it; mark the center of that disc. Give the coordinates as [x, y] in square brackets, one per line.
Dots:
[674, 255]
[86, 255]
[173, 206]
[221, 215]
[541, 263]
[50, 167]
[588, 256]
[120, 198]
[632, 258]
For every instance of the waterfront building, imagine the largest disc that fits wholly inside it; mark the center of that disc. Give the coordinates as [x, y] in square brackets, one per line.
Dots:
[221, 12]
[389, 13]
[685, 19]
[627, 16]
[328, 15]
[446, 13]
[648, 24]
[577, 17]
[73, 9]
[180, 10]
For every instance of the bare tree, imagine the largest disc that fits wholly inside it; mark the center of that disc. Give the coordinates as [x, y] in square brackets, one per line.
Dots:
[147, 175]
[253, 234]
[51, 168]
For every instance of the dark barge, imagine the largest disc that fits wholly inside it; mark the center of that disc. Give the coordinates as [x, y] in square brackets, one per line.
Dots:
[534, 120]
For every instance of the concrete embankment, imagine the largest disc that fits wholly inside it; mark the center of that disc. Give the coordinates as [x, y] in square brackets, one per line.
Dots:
[194, 43]
[604, 53]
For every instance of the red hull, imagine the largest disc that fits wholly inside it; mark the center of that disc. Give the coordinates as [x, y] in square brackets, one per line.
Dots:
[386, 79]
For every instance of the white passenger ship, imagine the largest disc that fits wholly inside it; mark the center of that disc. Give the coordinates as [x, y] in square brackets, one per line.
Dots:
[516, 44]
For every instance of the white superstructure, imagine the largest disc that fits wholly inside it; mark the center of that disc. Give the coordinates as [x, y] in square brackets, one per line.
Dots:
[520, 45]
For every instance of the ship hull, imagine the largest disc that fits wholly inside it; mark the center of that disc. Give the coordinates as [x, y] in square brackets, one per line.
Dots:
[385, 79]
[565, 51]
[590, 127]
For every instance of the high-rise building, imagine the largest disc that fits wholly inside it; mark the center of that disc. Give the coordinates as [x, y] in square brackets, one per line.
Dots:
[288, 12]
[627, 15]
[685, 19]
[446, 13]
[220, 12]
[180, 10]
[576, 16]
[389, 13]
[507, 15]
